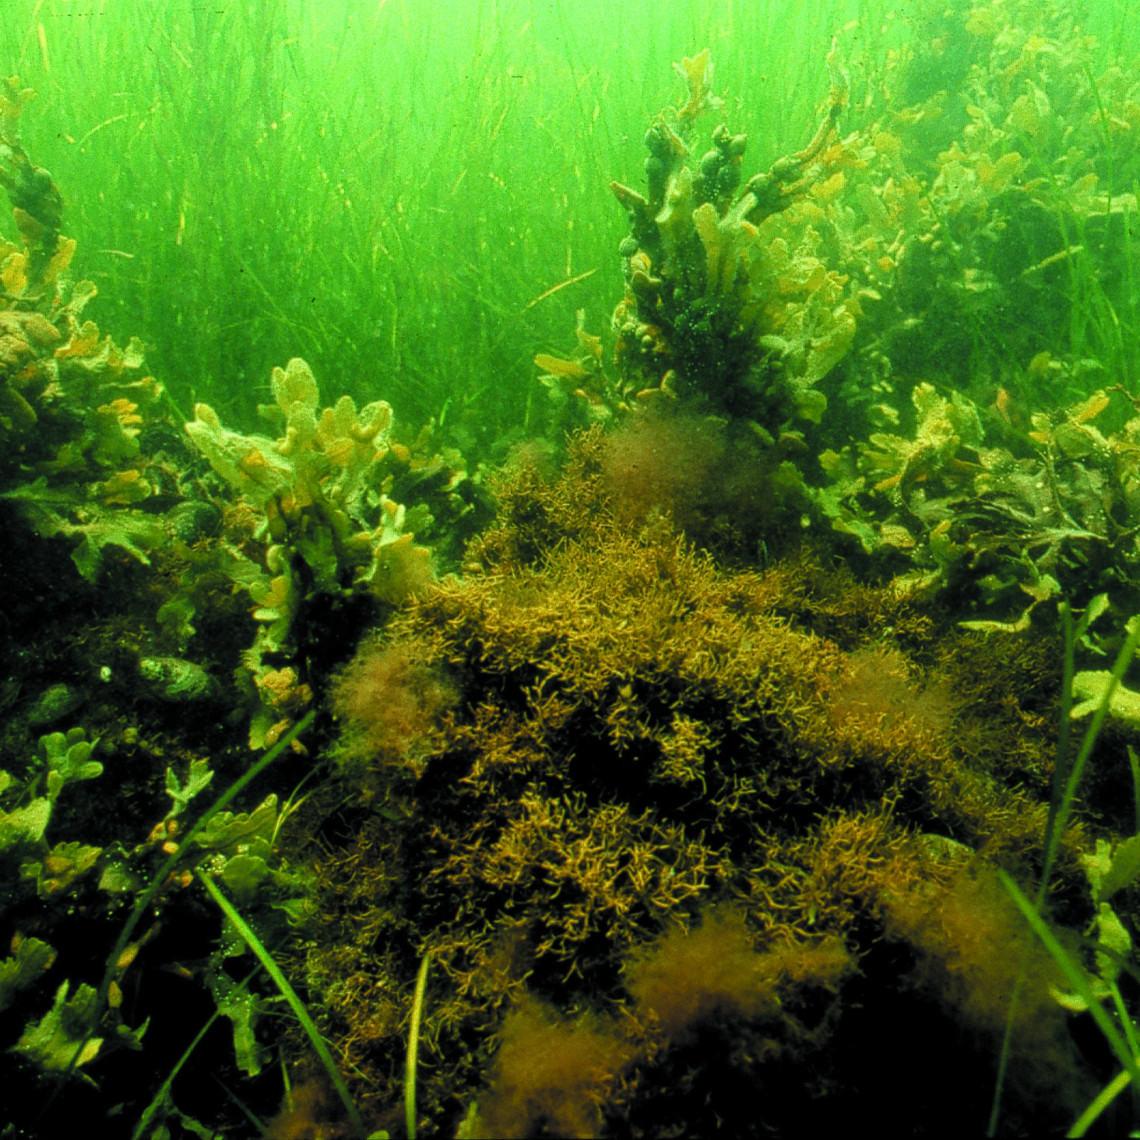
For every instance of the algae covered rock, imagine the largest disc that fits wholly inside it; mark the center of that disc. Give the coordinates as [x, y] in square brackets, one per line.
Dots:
[634, 762]
[175, 680]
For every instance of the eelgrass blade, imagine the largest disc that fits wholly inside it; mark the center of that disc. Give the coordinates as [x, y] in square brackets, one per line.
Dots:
[413, 1049]
[1100, 1102]
[163, 1093]
[1066, 779]
[1075, 976]
[1134, 766]
[1055, 825]
[290, 995]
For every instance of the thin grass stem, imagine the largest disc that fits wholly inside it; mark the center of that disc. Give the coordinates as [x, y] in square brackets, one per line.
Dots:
[413, 1048]
[290, 995]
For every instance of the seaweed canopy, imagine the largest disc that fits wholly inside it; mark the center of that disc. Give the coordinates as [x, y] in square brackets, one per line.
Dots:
[729, 316]
[37, 207]
[73, 404]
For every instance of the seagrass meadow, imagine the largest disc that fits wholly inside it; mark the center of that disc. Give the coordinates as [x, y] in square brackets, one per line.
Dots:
[569, 574]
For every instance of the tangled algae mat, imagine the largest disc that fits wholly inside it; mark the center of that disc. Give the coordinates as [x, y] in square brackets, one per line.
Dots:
[690, 849]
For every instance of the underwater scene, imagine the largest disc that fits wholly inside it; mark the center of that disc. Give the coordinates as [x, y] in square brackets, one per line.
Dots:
[569, 571]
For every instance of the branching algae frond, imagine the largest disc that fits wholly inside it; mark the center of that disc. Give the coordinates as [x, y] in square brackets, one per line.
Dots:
[72, 403]
[317, 519]
[37, 203]
[726, 309]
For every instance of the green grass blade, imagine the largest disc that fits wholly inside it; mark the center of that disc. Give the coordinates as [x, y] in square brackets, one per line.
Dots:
[1064, 727]
[164, 1089]
[413, 1049]
[1075, 976]
[1102, 1100]
[1134, 767]
[290, 995]
[1057, 820]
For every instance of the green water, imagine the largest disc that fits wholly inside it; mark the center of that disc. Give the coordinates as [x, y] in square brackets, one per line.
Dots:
[383, 187]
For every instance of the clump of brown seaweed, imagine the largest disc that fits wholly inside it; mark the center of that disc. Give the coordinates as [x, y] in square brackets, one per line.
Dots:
[637, 735]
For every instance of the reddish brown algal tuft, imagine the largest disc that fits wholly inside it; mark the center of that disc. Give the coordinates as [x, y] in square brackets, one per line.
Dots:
[388, 699]
[550, 1077]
